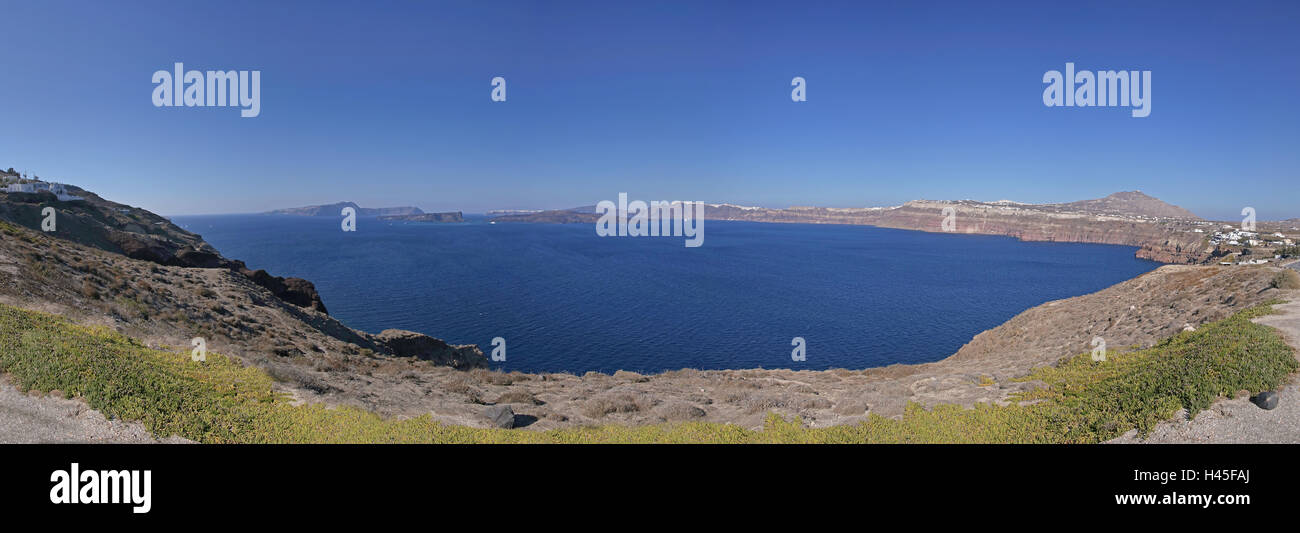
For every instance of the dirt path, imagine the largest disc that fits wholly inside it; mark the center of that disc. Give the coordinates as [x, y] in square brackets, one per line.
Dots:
[33, 419]
[1238, 420]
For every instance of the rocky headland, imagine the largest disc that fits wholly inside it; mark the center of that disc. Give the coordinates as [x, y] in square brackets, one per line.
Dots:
[333, 210]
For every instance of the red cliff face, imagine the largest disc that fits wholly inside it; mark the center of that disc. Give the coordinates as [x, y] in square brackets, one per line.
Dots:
[1159, 240]
[1161, 231]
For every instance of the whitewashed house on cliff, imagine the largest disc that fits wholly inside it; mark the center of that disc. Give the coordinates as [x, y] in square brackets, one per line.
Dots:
[59, 190]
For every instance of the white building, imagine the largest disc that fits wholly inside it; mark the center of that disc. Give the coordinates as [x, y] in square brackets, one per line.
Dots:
[59, 190]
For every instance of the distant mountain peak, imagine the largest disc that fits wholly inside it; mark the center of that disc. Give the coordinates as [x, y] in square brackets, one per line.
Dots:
[1131, 195]
[1132, 203]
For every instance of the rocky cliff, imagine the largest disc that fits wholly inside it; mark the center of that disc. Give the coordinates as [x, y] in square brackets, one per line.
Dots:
[130, 239]
[139, 234]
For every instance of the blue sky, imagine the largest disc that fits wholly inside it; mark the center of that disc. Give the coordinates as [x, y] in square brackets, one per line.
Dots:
[388, 103]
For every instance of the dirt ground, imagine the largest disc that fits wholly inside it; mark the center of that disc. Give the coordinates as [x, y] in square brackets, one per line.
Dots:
[28, 419]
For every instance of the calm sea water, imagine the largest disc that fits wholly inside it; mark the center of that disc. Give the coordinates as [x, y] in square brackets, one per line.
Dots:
[567, 300]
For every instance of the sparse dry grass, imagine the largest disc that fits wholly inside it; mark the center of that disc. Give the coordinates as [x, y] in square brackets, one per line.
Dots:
[518, 397]
[1287, 279]
[607, 404]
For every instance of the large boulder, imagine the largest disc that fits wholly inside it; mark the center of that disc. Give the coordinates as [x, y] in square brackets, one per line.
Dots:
[501, 416]
[1266, 400]
[411, 344]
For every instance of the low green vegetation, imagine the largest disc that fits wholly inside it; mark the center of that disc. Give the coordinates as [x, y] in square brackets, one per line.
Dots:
[219, 401]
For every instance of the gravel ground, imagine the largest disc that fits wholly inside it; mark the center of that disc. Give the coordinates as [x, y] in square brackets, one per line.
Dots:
[33, 419]
[1232, 421]
[1237, 420]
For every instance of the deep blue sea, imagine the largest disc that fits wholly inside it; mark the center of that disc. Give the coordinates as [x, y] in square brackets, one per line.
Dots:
[567, 300]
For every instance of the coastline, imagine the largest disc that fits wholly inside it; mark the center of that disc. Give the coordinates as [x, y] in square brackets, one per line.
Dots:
[317, 359]
[1169, 240]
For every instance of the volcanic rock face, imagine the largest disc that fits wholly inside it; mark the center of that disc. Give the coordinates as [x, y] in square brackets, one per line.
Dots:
[411, 344]
[296, 291]
[1159, 241]
[1129, 219]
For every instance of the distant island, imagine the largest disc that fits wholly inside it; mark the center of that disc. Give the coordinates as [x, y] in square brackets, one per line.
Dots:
[333, 210]
[450, 216]
[496, 212]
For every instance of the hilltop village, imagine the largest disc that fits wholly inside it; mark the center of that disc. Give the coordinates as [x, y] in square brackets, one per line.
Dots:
[13, 182]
